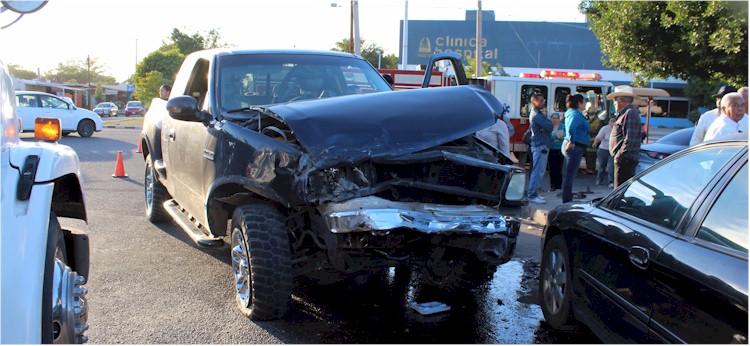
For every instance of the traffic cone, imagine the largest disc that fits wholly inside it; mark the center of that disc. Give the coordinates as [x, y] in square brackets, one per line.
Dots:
[119, 167]
[140, 149]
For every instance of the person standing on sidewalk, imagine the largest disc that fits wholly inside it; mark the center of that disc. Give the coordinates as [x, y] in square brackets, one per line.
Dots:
[732, 111]
[577, 138]
[555, 154]
[708, 117]
[625, 141]
[606, 173]
[540, 142]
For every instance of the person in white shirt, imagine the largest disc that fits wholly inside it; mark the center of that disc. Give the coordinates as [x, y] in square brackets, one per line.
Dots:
[743, 122]
[603, 158]
[732, 110]
[708, 117]
[498, 136]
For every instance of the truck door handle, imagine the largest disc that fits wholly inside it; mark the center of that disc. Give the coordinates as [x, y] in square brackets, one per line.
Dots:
[638, 256]
[171, 134]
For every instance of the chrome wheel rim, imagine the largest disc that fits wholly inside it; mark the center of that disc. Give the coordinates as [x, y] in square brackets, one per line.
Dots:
[555, 281]
[241, 268]
[69, 306]
[149, 187]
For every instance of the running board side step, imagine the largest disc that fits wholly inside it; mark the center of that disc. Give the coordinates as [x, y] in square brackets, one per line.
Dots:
[189, 227]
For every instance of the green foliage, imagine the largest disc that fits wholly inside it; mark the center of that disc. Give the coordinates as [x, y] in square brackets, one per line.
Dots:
[18, 72]
[147, 87]
[470, 66]
[698, 93]
[89, 70]
[369, 53]
[99, 93]
[186, 43]
[166, 61]
[685, 39]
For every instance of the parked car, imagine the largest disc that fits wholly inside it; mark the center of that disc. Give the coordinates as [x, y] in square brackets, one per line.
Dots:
[653, 152]
[134, 108]
[106, 109]
[33, 104]
[44, 266]
[324, 170]
[68, 100]
[663, 258]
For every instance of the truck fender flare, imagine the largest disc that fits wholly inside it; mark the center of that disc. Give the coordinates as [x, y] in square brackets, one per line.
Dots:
[234, 191]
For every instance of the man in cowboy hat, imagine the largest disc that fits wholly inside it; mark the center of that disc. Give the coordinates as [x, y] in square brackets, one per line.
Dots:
[625, 141]
[708, 117]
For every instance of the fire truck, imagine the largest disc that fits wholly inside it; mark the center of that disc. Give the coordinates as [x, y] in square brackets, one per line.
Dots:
[516, 92]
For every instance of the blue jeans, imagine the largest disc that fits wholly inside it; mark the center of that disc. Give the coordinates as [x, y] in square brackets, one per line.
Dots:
[539, 155]
[570, 169]
[606, 167]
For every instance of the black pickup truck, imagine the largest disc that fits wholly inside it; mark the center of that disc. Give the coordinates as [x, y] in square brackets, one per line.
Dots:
[308, 162]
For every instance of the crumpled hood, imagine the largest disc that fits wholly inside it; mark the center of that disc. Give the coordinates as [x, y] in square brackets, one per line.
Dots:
[388, 124]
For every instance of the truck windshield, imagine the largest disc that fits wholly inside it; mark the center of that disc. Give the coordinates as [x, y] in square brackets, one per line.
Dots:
[265, 79]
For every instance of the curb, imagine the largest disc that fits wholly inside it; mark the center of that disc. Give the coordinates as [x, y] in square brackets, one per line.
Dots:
[121, 127]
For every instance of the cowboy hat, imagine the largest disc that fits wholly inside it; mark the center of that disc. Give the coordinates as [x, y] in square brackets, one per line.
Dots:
[622, 90]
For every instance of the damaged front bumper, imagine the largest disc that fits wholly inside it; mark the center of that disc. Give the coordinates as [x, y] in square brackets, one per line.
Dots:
[478, 228]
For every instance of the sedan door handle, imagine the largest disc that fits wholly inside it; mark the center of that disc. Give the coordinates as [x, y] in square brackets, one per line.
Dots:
[171, 134]
[638, 256]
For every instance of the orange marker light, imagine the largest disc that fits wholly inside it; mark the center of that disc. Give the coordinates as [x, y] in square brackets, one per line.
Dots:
[47, 129]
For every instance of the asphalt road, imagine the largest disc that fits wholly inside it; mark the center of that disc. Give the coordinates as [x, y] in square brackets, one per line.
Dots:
[151, 284]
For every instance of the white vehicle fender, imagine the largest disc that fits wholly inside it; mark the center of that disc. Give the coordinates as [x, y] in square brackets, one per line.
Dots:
[59, 164]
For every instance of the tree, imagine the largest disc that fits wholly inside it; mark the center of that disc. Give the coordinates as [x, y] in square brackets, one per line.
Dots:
[166, 61]
[18, 72]
[89, 70]
[471, 67]
[370, 53]
[186, 43]
[147, 87]
[698, 93]
[685, 39]
[99, 93]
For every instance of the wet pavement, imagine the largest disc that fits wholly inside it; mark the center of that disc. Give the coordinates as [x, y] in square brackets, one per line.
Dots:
[503, 311]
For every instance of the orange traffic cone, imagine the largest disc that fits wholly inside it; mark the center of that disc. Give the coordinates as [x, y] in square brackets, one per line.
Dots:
[119, 167]
[140, 149]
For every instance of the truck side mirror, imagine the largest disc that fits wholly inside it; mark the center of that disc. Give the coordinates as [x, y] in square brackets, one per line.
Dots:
[185, 108]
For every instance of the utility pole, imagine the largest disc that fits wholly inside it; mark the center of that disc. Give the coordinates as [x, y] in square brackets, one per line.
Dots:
[405, 45]
[479, 39]
[355, 24]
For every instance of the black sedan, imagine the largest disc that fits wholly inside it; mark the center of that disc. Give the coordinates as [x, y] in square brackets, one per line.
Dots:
[663, 258]
[653, 152]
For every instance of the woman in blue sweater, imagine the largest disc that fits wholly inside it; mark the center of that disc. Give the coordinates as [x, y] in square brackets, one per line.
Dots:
[574, 145]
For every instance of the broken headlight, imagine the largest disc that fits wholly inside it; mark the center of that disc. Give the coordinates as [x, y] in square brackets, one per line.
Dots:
[516, 187]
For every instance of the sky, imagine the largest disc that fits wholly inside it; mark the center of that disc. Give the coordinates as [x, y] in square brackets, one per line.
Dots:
[120, 33]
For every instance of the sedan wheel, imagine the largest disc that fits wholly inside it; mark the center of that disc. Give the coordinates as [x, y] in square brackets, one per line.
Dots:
[86, 128]
[555, 285]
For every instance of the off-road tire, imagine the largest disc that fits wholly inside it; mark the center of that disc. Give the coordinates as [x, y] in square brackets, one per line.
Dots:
[86, 128]
[155, 194]
[555, 285]
[261, 261]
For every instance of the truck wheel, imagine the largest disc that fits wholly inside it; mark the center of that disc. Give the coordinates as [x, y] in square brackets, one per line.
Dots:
[452, 270]
[155, 193]
[64, 303]
[86, 128]
[555, 285]
[261, 262]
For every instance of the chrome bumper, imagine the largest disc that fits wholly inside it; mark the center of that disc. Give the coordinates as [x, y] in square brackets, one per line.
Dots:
[376, 214]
